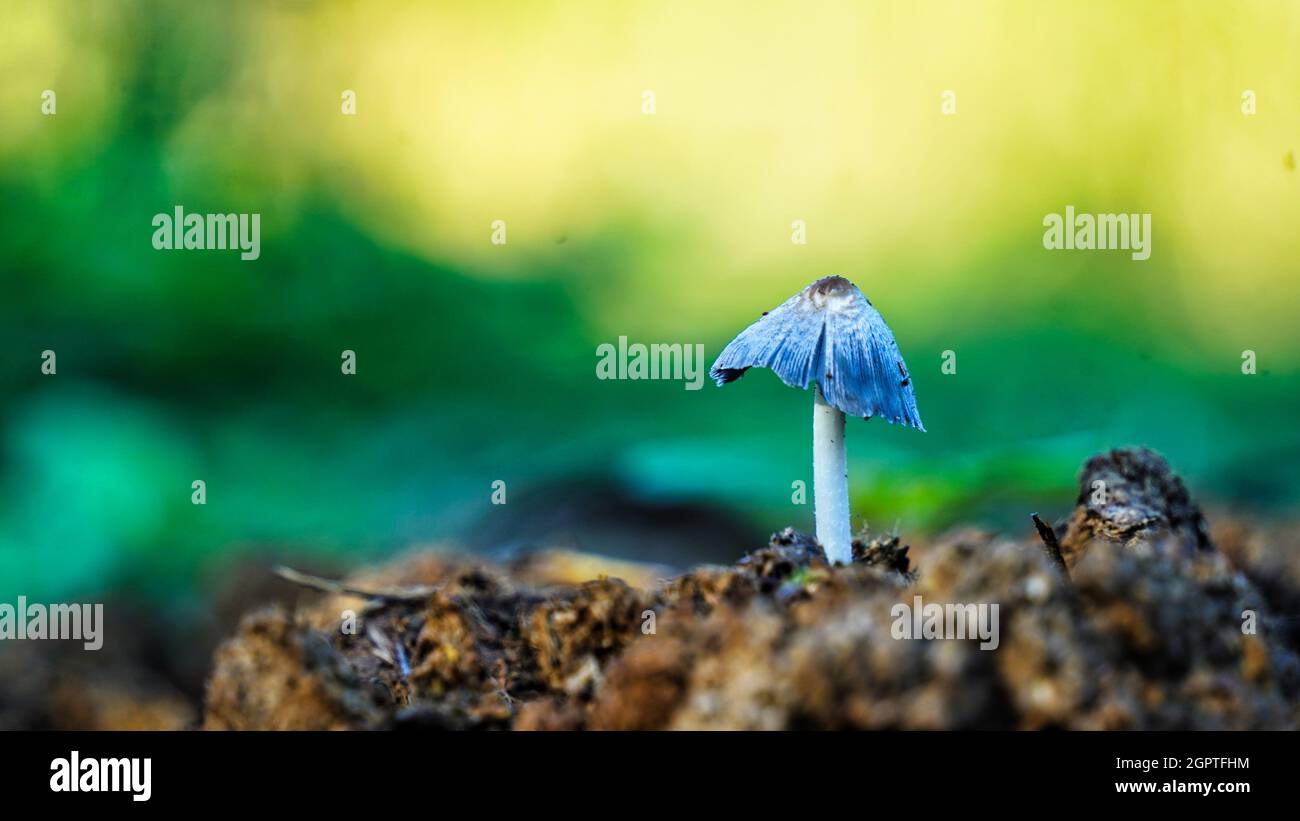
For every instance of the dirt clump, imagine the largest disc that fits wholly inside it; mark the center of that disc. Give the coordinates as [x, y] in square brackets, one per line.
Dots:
[1149, 629]
[1129, 496]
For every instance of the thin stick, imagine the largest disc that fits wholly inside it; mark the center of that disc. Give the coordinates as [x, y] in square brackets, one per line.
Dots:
[330, 586]
[1050, 545]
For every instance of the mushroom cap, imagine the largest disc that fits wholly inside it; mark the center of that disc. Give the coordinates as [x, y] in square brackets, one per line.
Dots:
[829, 334]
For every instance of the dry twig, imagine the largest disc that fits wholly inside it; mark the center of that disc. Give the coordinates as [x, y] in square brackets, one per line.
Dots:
[417, 593]
[1050, 545]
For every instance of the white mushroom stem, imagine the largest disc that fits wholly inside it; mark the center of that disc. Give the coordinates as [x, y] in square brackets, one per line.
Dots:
[831, 481]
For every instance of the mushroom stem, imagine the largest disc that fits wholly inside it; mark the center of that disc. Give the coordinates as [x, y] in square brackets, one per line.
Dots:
[831, 481]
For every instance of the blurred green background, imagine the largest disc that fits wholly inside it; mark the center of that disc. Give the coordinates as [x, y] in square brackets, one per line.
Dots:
[476, 362]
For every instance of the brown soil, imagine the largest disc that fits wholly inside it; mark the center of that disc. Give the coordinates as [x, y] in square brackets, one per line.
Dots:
[1146, 631]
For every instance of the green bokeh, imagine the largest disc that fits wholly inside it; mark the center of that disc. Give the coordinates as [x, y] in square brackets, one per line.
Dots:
[475, 365]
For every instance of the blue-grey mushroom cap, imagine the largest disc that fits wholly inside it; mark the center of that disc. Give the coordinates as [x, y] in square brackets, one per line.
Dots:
[828, 334]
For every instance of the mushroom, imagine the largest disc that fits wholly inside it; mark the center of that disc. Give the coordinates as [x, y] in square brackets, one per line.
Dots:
[829, 335]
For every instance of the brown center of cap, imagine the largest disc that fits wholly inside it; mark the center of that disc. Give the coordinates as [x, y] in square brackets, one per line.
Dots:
[831, 285]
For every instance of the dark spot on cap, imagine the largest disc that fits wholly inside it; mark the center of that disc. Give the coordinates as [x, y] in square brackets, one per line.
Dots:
[831, 285]
[904, 383]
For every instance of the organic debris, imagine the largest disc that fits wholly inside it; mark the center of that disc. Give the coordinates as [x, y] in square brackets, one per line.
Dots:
[1131, 496]
[1152, 628]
